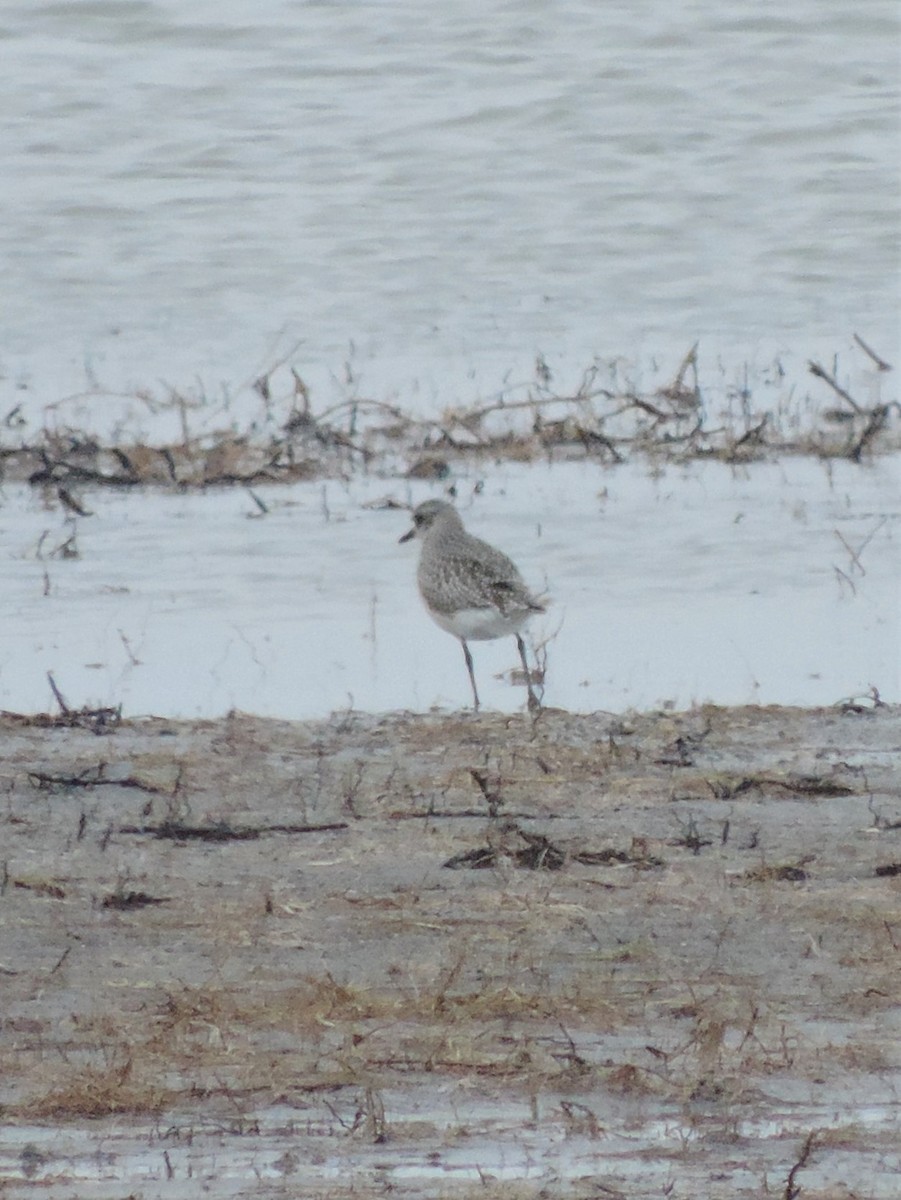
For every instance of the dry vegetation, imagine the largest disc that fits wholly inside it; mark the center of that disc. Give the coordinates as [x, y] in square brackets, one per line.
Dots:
[618, 957]
[607, 417]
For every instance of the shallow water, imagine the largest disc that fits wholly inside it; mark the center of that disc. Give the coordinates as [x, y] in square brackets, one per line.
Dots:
[414, 210]
[514, 1143]
[186, 188]
[675, 585]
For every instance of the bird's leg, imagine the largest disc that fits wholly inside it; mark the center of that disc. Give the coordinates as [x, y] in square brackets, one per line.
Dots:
[472, 678]
[534, 702]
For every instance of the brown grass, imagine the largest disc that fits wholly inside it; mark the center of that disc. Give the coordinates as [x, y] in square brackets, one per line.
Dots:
[606, 419]
[93, 1094]
[331, 973]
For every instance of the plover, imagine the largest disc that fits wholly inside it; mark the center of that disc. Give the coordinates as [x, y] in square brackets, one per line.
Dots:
[470, 589]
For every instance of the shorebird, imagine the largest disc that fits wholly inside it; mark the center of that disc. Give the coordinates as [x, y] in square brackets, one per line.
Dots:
[470, 589]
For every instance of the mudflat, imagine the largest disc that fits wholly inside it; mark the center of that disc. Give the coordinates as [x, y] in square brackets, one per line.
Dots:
[442, 955]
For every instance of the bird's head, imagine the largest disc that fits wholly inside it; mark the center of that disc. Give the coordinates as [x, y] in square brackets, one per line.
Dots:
[429, 513]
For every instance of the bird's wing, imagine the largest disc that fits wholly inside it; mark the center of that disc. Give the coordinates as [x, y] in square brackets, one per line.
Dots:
[482, 583]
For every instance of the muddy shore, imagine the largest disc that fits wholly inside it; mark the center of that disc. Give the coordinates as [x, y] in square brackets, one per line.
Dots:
[452, 955]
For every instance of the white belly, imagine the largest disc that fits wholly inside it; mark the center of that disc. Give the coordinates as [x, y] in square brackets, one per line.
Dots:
[480, 624]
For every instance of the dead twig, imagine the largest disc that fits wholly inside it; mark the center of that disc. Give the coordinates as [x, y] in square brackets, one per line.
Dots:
[754, 435]
[638, 402]
[475, 415]
[59, 962]
[98, 720]
[876, 422]
[490, 791]
[678, 393]
[792, 1189]
[590, 437]
[221, 831]
[841, 575]
[71, 503]
[855, 554]
[58, 696]
[881, 364]
[89, 778]
[690, 837]
[57, 471]
[373, 1110]
[261, 504]
[822, 373]
[129, 900]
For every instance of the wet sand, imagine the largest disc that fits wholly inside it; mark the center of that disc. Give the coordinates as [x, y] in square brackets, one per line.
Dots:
[452, 955]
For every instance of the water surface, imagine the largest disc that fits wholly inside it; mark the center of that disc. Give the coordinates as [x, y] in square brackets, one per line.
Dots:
[450, 195]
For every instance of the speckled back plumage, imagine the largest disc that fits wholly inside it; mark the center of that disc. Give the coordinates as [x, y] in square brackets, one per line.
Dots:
[460, 572]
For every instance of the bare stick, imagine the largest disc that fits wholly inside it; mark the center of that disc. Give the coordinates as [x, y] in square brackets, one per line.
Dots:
[690, 360]
[793, 1190]
[840, 575]
[645, 406]
[871, 353]
[853, 554]
[875, 424]
[822, 373]
[135, 661]
[59, 696]
[59, 962]
[866, 541]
